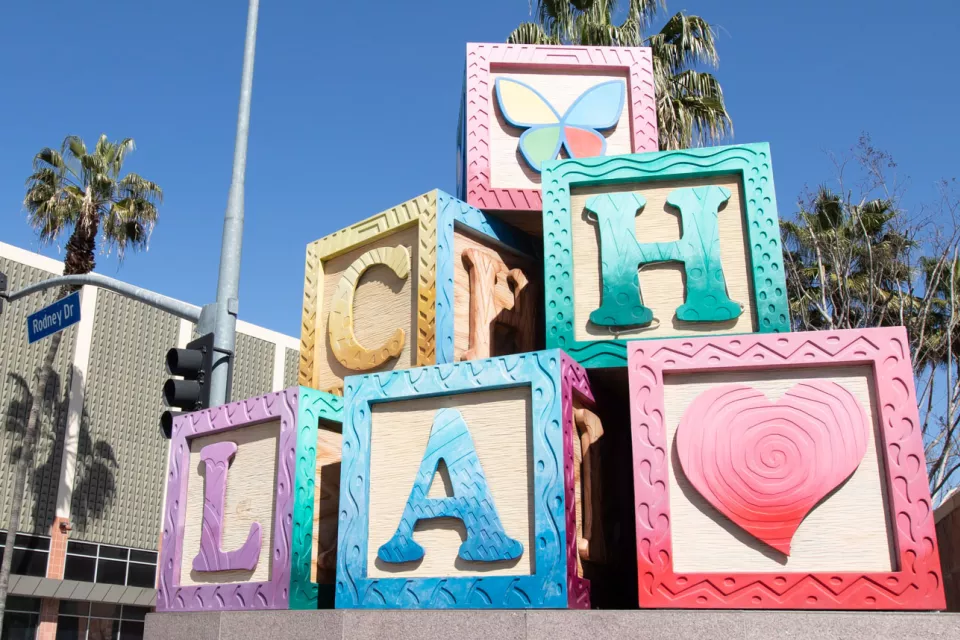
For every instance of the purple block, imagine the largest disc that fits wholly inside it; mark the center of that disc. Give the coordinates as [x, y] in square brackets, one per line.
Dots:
[216, 458]
[270, 594]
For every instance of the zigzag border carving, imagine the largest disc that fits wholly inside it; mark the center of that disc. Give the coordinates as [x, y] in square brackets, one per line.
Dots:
[917, 584]
[478, 112]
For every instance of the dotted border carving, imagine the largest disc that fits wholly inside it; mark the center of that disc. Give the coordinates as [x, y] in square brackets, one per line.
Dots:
[452, 213]
[547, 588]
[473, 177]
[435, 213]
[313, 407]
[917, 584]
[751, 161]
[273, 594]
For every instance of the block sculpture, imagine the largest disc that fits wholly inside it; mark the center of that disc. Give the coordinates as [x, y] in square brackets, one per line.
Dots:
[781, 472]
[316, 503]
[526, 104]
[460, 486]
[660, 245]
[431, 280]
[227, 540]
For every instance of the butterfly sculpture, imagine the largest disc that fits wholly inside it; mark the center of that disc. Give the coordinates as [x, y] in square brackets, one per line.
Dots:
[597, 108]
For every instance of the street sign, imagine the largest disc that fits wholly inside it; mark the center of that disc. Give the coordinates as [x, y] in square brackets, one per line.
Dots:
[53, 318]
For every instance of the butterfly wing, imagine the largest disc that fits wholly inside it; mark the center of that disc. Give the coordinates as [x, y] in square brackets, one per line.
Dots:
[522, 105]
[539, 144]
[583, 143]
[599, 107]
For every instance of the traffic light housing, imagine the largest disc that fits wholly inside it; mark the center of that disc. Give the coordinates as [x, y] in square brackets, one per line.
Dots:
[3, 288]
[191, 393]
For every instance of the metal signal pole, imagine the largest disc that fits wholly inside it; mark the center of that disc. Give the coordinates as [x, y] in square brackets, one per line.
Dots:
[228, 284]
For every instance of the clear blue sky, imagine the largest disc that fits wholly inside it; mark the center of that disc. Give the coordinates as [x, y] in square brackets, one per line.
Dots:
[355, 108]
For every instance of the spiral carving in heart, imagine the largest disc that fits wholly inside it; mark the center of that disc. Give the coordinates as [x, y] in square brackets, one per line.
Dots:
[766, 465]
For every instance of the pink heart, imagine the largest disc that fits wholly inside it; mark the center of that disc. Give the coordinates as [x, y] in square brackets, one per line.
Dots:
[766, 464]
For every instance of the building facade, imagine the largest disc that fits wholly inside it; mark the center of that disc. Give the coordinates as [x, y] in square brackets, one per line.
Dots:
[85, 557]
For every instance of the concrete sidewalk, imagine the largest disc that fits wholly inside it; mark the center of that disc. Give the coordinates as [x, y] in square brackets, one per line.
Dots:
[550, 625]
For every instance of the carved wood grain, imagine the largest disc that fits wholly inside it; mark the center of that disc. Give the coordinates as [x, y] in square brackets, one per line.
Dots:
[498, 296]
[589, 430]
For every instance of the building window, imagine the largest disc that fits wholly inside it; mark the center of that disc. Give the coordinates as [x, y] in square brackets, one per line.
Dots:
[30, 554]
[89, 562]
[21, 618]
[99, 621]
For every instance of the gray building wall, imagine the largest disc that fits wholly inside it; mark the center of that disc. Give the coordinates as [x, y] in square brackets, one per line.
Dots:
[19, 363]
[291, 366]
[253, 367]
[121, 455]
[121, 460]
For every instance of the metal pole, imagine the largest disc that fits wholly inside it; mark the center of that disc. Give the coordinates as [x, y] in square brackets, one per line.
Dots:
[228, 284]
[157, 301]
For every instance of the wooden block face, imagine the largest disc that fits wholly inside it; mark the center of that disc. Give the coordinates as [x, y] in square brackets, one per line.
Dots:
[249, 499]
[381, 295]
[563, 102]
[383, 303]
[227, 543]
[781, 472]
[560, 89]
[848, 531]
[510, 330]
[500, 425]
[578, 491]
[457, 486]
[659, 245]
[662, 284]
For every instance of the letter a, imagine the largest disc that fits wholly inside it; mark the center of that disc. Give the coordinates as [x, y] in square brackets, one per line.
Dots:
[621, 255]
[217, 457]
[472, 503]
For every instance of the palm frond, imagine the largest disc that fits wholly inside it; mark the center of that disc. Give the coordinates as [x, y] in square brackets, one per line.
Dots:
[134, 186]
[86, 191]
[75, 146]
[690, 105]
[683, 42]
[531, 33]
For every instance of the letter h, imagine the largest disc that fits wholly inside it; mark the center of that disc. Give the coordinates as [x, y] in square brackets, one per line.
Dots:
[621, 255]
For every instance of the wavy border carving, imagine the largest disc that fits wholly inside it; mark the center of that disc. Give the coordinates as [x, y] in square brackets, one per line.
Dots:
[751, 161]
[273, 594]
[918, 584]
[313, 406]
[473, 179]
[547, 588]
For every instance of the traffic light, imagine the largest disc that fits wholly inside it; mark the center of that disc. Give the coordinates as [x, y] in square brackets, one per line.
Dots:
[192, 393]
[3, 288]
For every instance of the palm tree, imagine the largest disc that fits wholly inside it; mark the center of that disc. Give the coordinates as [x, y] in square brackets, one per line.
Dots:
[854, 264]
[848, 264]
[690, 106]
[74, 189]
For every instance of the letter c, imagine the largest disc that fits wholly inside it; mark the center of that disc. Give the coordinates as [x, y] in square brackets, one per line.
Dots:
[343, 342]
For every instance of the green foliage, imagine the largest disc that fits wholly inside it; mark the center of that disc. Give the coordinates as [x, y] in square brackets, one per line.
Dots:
[690, 106]
[84, 191]
[860, 260]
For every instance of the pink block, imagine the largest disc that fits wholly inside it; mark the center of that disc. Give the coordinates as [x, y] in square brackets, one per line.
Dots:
[764, 435]
[482, 123]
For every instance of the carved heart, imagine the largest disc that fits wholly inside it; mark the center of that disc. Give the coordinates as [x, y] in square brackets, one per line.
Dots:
[766, 464]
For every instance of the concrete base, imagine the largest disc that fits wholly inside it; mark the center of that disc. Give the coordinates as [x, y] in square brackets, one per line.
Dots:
[550, 625]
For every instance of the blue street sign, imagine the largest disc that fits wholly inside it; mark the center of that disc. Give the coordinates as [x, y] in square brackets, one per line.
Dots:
[56, 317]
